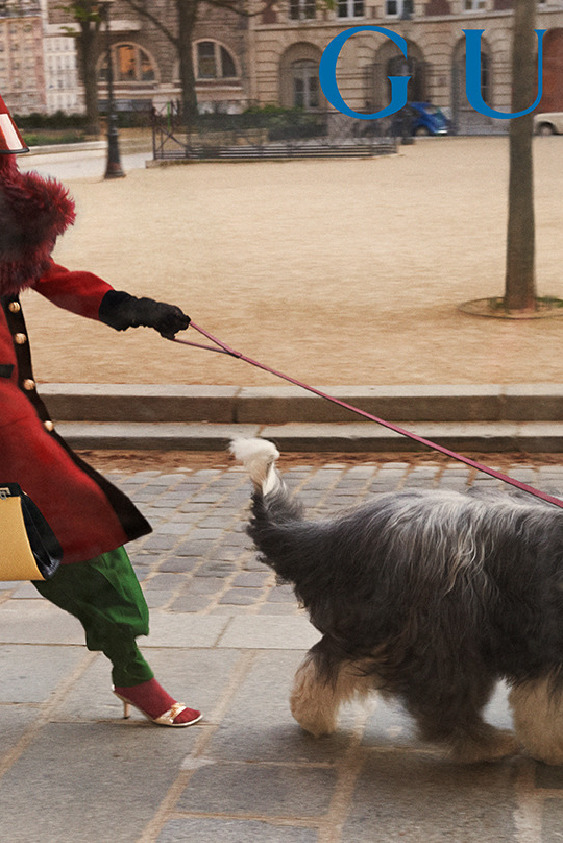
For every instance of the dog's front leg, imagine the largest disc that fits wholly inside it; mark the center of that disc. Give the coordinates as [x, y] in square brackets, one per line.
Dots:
[312, 700]
[321, 686]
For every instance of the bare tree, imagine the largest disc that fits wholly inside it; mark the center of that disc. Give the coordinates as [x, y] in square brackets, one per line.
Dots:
[87, 14]
[520, 297]
[520, 289]
[182, 37]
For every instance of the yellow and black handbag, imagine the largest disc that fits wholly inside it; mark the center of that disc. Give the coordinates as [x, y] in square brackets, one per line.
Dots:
[29, 549]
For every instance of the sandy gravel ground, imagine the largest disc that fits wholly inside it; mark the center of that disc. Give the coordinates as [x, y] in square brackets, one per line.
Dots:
[337, 272]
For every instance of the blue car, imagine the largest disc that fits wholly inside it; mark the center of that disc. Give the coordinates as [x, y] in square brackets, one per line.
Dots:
[428, 119]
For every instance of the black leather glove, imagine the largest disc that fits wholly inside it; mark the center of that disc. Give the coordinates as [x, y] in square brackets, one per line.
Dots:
[121, 311]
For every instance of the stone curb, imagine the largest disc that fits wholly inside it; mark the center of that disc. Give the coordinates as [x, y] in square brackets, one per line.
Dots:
[291, 404]
[83, 146]
[487, 418]
[494, 437]
[126, 145]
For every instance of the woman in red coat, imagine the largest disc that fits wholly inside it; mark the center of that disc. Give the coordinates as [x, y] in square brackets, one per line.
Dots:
[90, 517]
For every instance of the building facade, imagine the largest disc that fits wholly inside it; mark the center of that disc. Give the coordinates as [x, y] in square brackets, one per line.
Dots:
[289, 38]
[145, 62]
[22, 66]
[63, 89]
[273, 55]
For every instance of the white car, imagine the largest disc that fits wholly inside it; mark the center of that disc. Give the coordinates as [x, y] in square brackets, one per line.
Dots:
[550, 123]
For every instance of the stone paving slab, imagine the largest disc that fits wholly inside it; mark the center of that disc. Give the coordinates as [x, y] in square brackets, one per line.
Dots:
[173, 630]
[227, 638]
[422, 800]
[17, 720]
[231, 788]
[265, 633]
[37, 622]
[106, 786]
[31, 674]
[234, 831]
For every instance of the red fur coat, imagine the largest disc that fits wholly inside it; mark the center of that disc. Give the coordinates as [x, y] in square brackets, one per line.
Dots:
[88, 514]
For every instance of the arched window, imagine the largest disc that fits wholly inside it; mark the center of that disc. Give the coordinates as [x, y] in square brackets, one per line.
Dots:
[213, 61]
[131, 63]
[305, 75]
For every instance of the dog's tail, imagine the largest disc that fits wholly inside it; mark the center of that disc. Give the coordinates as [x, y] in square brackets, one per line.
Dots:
[259, 458]
[275, 514]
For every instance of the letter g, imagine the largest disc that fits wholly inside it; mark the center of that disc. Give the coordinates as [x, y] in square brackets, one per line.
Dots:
[327, 74]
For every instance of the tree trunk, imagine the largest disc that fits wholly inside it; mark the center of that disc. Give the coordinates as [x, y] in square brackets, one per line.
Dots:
[187, 17]
[520, 290]
[88, 53]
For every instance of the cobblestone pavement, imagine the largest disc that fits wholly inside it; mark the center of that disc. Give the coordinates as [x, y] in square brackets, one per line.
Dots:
[198, 559]
[227, 638]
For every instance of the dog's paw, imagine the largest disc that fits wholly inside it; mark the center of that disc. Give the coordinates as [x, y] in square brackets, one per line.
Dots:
[487, 745]
[312, 716]
[316, 730]
[316, 722]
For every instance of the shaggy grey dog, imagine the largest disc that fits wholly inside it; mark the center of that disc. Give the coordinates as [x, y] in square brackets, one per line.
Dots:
[430, 597]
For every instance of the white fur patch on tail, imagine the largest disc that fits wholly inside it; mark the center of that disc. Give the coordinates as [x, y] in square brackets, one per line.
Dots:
[258, 457]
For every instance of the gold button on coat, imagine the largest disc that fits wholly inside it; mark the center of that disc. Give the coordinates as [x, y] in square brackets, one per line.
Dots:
[28, 384]
[14, 307]
[48, 425]
[20, 339]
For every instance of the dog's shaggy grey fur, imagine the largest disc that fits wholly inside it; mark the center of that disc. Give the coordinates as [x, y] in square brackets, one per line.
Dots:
[427, 596]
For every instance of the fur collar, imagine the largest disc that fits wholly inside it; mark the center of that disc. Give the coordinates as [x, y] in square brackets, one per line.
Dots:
[34, 211]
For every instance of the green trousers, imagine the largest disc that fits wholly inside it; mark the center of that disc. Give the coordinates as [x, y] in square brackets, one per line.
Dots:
[106, 597]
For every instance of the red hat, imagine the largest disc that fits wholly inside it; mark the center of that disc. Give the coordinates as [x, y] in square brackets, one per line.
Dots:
[10, 138]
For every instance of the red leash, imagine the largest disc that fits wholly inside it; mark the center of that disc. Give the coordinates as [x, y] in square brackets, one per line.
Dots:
[222, 348]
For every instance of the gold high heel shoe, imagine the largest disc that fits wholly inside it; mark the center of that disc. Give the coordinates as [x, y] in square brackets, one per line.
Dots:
[166, 719]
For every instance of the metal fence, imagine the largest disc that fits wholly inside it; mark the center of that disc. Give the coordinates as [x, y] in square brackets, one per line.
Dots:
[267, 135]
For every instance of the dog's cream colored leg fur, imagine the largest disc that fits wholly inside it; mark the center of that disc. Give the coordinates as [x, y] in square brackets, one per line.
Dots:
[538, 720]
[315, 700]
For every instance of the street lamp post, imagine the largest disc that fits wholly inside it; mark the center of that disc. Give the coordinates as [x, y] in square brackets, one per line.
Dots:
[406, 121]
[113, 161]
[404, 115]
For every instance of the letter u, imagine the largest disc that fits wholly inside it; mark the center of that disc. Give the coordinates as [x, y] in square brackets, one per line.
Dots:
[473, 75]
